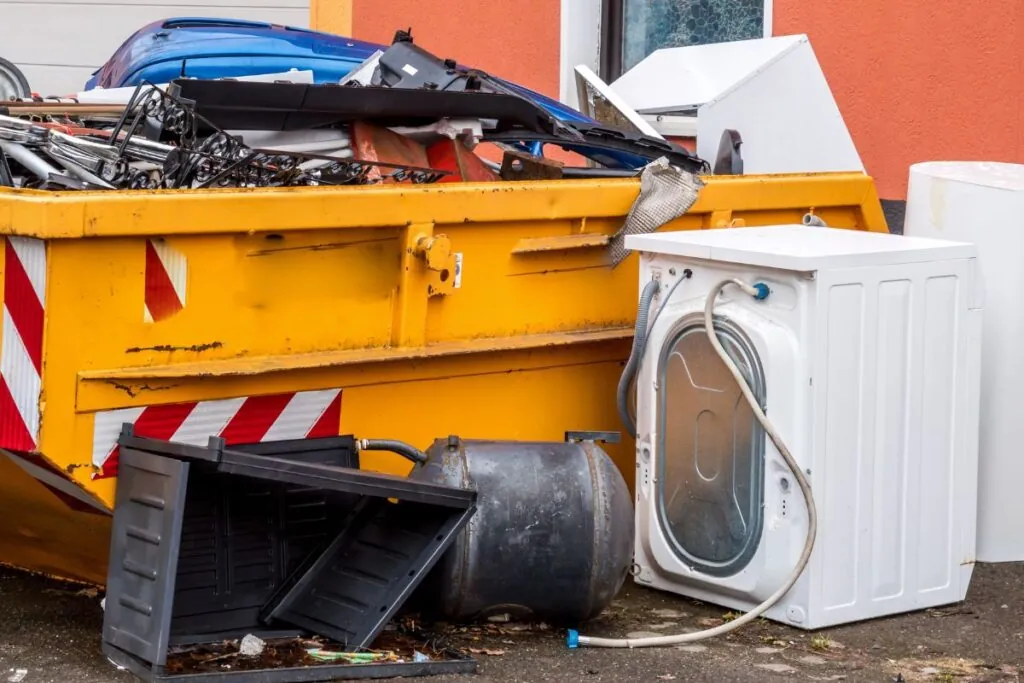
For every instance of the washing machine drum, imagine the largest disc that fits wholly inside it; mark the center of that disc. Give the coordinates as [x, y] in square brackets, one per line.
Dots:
[710, 471]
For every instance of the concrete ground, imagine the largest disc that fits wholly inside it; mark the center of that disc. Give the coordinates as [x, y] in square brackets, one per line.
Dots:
[51, 632]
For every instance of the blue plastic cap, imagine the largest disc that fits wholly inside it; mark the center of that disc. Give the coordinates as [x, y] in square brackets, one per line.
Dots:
[762, 291]
[573, 640]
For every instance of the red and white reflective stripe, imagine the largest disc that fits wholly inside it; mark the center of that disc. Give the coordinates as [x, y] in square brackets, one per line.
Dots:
[252, 419]
[166, 276]
[21, 350]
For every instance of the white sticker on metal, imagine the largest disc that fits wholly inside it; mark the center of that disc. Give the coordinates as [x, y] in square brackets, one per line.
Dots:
[410, 69]
[458, 270]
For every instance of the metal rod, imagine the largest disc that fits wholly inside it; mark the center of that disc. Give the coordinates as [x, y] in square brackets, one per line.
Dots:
[82, 174]
[36, 165]
[51, 109]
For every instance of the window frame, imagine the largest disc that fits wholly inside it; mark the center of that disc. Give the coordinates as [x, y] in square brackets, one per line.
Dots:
[591, 34]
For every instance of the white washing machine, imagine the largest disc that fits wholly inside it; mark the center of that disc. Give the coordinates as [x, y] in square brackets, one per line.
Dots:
[865, 356]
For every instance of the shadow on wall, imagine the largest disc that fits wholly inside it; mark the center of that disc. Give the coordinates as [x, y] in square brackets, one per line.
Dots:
[895, 212]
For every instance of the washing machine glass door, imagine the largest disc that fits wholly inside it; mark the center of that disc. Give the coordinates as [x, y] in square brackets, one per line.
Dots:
[710, 451]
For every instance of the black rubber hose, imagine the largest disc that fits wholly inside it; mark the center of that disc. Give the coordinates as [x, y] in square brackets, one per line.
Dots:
[390, 445]
[639, 343]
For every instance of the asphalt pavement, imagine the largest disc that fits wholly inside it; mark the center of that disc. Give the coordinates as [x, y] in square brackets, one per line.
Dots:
[50, 633]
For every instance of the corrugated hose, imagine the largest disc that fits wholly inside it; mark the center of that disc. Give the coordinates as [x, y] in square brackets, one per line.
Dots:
[403, 449]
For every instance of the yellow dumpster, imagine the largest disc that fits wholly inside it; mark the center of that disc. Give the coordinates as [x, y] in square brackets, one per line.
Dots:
[405, 312]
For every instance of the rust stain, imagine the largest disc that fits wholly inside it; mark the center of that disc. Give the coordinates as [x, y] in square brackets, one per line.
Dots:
[235, 367]
[561, 270]
[326, 246]
[196, 348]
[134, 390]
[70, 469]
[531, 245]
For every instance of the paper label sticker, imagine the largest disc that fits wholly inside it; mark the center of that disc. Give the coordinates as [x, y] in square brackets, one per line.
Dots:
[410, 69]
[458, 270]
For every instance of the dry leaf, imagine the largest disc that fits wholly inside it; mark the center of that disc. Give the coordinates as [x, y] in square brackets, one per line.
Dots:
[89, 593]
[489, 653]
[710, 621]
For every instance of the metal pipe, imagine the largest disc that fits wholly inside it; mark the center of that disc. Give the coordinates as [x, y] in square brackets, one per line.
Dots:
[57, 109]
[82, 174]
[17, 130]
[63, 153]
[571, 172]
[147, 150]
[35, 164]
[84, 146]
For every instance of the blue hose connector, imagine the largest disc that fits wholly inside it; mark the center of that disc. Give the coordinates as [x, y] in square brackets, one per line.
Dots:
[573, 639]
[762, 291]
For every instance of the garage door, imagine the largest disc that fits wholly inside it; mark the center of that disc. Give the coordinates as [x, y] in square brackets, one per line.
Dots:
[59, 43]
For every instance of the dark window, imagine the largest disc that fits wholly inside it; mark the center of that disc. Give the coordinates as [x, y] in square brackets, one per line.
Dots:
[633, 29]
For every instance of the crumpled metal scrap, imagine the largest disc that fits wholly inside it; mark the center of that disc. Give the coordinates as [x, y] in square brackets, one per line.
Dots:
[60, 145]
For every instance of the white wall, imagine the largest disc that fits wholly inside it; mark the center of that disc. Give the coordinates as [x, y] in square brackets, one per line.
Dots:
[49, 39]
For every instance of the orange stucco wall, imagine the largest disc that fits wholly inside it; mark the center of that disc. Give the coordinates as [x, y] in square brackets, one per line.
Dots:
[920, 80]
[518, 41]
[916, 80]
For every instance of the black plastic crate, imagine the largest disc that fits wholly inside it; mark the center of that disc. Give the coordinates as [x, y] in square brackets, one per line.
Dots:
[309, 674]
[242, 538]
[275, 539]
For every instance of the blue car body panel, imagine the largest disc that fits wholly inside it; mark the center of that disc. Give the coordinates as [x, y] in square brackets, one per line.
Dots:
[198, 47]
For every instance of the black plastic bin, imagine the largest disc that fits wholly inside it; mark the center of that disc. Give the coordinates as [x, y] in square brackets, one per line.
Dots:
[275, 539]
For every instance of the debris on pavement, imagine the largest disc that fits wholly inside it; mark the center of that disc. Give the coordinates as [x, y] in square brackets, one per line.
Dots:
[390, 648]
[17, 675]
[36, 638]
[379, 538]
[322, 655]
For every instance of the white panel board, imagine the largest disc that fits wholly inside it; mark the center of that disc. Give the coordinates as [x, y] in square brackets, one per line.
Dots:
[681, 78]
[771, 90]
[786, 115]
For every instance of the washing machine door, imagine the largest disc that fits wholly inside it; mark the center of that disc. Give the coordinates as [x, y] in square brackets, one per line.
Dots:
[710, 469]
[719, 517]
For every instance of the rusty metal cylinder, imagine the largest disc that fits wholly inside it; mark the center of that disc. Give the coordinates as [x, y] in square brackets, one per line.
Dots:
[552, 538]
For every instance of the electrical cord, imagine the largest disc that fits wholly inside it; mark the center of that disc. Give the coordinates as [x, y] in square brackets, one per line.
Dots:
[639, 344]
[636, 355]
[759, 291]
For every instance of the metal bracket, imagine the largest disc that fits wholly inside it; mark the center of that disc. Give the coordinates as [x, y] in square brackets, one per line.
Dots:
[599, 437]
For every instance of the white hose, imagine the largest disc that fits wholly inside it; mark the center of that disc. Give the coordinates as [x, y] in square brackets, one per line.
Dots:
[758, 292]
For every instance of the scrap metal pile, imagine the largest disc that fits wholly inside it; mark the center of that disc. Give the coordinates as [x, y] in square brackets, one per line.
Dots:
[404, 116]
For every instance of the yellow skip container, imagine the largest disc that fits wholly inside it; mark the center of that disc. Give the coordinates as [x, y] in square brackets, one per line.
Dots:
[483, 310]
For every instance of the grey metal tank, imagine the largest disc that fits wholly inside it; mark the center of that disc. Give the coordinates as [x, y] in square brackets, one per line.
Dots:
[552, 537]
